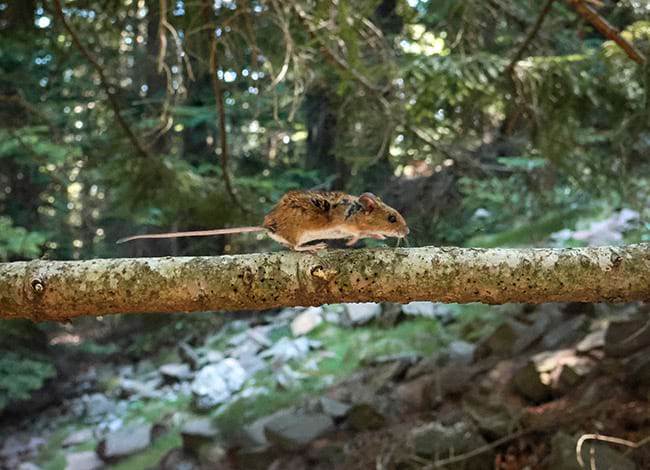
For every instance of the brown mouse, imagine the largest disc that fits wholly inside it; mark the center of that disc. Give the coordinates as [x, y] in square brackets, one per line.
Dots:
[300, 217]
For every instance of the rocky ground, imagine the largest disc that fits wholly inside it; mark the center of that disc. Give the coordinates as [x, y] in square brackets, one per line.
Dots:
[365, 386]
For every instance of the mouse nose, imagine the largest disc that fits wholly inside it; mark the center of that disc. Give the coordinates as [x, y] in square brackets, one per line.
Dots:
[406, 231]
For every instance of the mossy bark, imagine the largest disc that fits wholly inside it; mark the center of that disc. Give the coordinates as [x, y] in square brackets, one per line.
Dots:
[58, 290]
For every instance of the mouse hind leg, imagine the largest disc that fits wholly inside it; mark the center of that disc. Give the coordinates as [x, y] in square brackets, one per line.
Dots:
[317, 246]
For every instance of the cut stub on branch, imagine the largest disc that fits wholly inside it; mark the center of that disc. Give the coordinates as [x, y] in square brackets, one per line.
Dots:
[58, 290]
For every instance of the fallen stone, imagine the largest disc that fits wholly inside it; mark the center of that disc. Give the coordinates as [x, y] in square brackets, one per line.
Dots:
[391, 314]
[196, 433]
[512, 337]
[176, 459]
[97, 406]
[360, 313]
[287, 349]
[334, 408]
[294, 431]
[86, 460]
[416, 394]
[563, 455]
[428, 310]
[492, 417]
[461, 352]
[28, 466]
[215, 383]
[439, 441]
[625, 337]
[364, 416]
[594, 340]
[78, 437]
[565, 333]
[134, 388]
[175, 372]
[188, 355]
[307, 321]
[528, 382]
[124, 442]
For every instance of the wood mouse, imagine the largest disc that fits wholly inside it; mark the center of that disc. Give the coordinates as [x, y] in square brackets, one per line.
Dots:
[300, 217]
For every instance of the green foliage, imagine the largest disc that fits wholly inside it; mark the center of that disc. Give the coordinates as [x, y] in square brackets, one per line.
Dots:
[18, 242]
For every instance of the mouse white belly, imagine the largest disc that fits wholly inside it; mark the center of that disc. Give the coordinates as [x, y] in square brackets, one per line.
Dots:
[326, 234]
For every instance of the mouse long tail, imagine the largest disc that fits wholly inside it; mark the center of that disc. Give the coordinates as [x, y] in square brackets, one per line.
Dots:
[196, 233]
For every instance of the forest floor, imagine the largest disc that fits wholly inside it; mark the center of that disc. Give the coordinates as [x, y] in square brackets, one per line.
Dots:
[355, 386]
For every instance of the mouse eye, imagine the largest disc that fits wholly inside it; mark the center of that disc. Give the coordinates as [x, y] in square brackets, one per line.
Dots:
[392, 219]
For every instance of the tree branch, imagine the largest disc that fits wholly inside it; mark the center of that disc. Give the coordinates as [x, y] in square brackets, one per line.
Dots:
[112, 99]
[531, 35]
[58, 290]
[606, 29]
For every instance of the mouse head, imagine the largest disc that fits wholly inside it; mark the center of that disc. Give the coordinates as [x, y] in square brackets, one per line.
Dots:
[377, 217]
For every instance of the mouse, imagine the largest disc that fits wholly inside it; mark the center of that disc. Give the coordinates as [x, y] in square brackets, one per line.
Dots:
[300, 217]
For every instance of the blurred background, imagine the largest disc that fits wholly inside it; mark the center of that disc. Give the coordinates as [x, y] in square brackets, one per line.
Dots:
[485, 123]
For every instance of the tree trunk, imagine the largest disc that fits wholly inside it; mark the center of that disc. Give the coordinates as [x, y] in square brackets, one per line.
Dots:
[58, 290]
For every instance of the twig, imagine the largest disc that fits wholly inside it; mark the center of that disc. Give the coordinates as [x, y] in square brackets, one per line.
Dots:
[610, 439]
[607, 30]
[531, 35]
[58, 10]
[221, 111]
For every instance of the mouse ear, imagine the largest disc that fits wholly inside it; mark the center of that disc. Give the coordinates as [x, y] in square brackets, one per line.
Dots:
[368, 201]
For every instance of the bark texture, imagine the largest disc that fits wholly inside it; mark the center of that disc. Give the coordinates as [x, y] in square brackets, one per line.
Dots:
[58, 290]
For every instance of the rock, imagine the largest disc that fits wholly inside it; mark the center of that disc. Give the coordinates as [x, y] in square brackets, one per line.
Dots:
[307, 321]
[212, 456]
[625, 337]
[252, 365]
[28, 466]
[512, 337]
[176, 459]
[212, 357]
[563, 455]
[334, 408]
[287, 349]
[363, 416]
[489, 412]
[134, 388]
[294, 431]
[197, 433]
[360, 313]
[86, 460]
[440, 442]
[287, 377]
[594, 340]
[189, 356]
[528, 382]
[175, 372]
[252, 436]
[565, 333]
[259, 334]
[461, 352]
[428, 310]
[78, 437]
[215, 383]
[124, 442]
[416, 394]
[97, 406]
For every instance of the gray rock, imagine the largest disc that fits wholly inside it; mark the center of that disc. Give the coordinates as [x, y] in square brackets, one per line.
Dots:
[360, 313]
[86, 460]
[212, 357]
[252, 365]
[78, 437]
[215, 383]
[197, 433]
[428, 310]
[294, 431]
[565, 333]
[134, 388]
[188, 355]
[287, 349]
[97, 406]
[334, 408]
[28, 466]
[527, 381]
[625, 337]
[307, 321]
[461, 352]
[594, 340]
[512, 337]
[124, 442]
[439, 441]
[175, 372]
[563, 455]
[364, 416]
[176, 459]
[490, 413]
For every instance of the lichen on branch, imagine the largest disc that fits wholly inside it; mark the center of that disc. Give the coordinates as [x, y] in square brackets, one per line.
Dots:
[58, 290]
